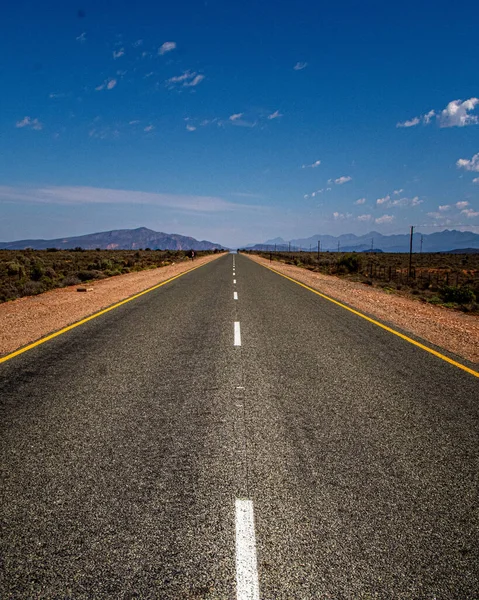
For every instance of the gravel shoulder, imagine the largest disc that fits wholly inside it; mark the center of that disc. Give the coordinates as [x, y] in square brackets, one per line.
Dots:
[29, 319]
[455, 332]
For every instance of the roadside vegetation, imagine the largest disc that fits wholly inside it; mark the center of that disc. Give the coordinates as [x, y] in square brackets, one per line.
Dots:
[451, 280]
[30, 272]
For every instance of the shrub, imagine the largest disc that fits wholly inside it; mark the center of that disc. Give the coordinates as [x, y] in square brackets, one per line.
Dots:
[349, 262]
[457, 294]
[87, 275]
[15, 268]
[37, 271]
[31, 288]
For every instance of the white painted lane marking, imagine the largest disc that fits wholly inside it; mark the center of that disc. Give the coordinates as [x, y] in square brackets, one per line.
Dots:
[234, 280]
[235, 295]
[247, 586]
[237, 341]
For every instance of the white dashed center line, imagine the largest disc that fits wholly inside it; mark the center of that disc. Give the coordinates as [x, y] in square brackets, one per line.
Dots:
[247, 586]
[235, 295]
[234, 280]
[237, 341]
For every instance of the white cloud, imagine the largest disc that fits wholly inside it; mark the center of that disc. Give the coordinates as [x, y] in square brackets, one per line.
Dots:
[275, 115]
[29, 122]
[384, 219]
[190, 127]
[118, 53]
[364, 218]
[195, 81]
[469, 165]
[384, 200]
[149, 128]
[402, 202]
[312, 166]
[343, 179]
[188, 79]
[179, 78]
[337, 216]
[469, 212]
[134, 122]
[299, 66]
[456, 113]
[475, 180]
[360, 201]
[397, 192]
[83, 195]
[236, 116]
[137, 44]
[444, 207]
[166, 47]
[81, 38]
[306, 196]
[462, 204]
[108, 84]
[411, 123]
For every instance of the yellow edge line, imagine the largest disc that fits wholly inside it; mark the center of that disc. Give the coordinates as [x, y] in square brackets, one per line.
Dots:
[393, 331]
[93, 316]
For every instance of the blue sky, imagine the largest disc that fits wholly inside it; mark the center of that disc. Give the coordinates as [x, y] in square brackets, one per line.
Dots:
[238, 122]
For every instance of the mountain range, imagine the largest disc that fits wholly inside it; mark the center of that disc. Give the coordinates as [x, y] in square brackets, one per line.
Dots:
[118, 239]
[442, 241]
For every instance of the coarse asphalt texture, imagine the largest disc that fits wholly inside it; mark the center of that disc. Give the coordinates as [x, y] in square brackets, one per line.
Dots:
[126, 441]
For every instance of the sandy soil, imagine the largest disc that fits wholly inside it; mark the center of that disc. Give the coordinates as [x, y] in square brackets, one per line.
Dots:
[28, 319]
[454, 331]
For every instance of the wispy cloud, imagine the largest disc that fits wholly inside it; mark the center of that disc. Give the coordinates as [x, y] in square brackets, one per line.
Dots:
[384, 219]
[470, 213]
[118, 53]
[342, 180]
[469, 165]
[444, 207]
[195, 81]
[188, 79]
[364, 218]
[360, 201]
[475, 180]
[411, 123]
[55, 95]
[337, 216]
[235, 116]
[456, 114]
[388, 202]
[275, 115]
[81, 38]
[149, 128]
[82, 195]
[137, 44]
[462, 204]
[312, 166]
[30, 123]
[108, 84]
[190, 127]
[299, 66]
[166, 47]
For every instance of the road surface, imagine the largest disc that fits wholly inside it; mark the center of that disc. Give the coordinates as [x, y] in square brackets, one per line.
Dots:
[233, 435]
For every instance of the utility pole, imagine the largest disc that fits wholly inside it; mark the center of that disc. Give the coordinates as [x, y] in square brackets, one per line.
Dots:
[275, 248]
[319, 247]
[410, 251]
[310, 248]
[289, 246]
[372, 244]
[421, 243]
[338, 245]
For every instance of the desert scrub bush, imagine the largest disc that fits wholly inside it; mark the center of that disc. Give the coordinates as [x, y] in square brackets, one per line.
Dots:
[8, 292]
[87, 275]
[457, 294]
[351, 263]
[14, 268]
[37, 270]
[70, 280]
[32, 288]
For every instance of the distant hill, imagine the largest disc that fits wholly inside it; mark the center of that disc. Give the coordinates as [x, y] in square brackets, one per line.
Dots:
[442, 241]
[118, 239]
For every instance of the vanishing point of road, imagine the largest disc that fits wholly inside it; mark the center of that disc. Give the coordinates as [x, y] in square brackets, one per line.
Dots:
[234, 435]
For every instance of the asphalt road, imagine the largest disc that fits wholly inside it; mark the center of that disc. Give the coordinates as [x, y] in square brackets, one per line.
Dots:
[128, 442]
